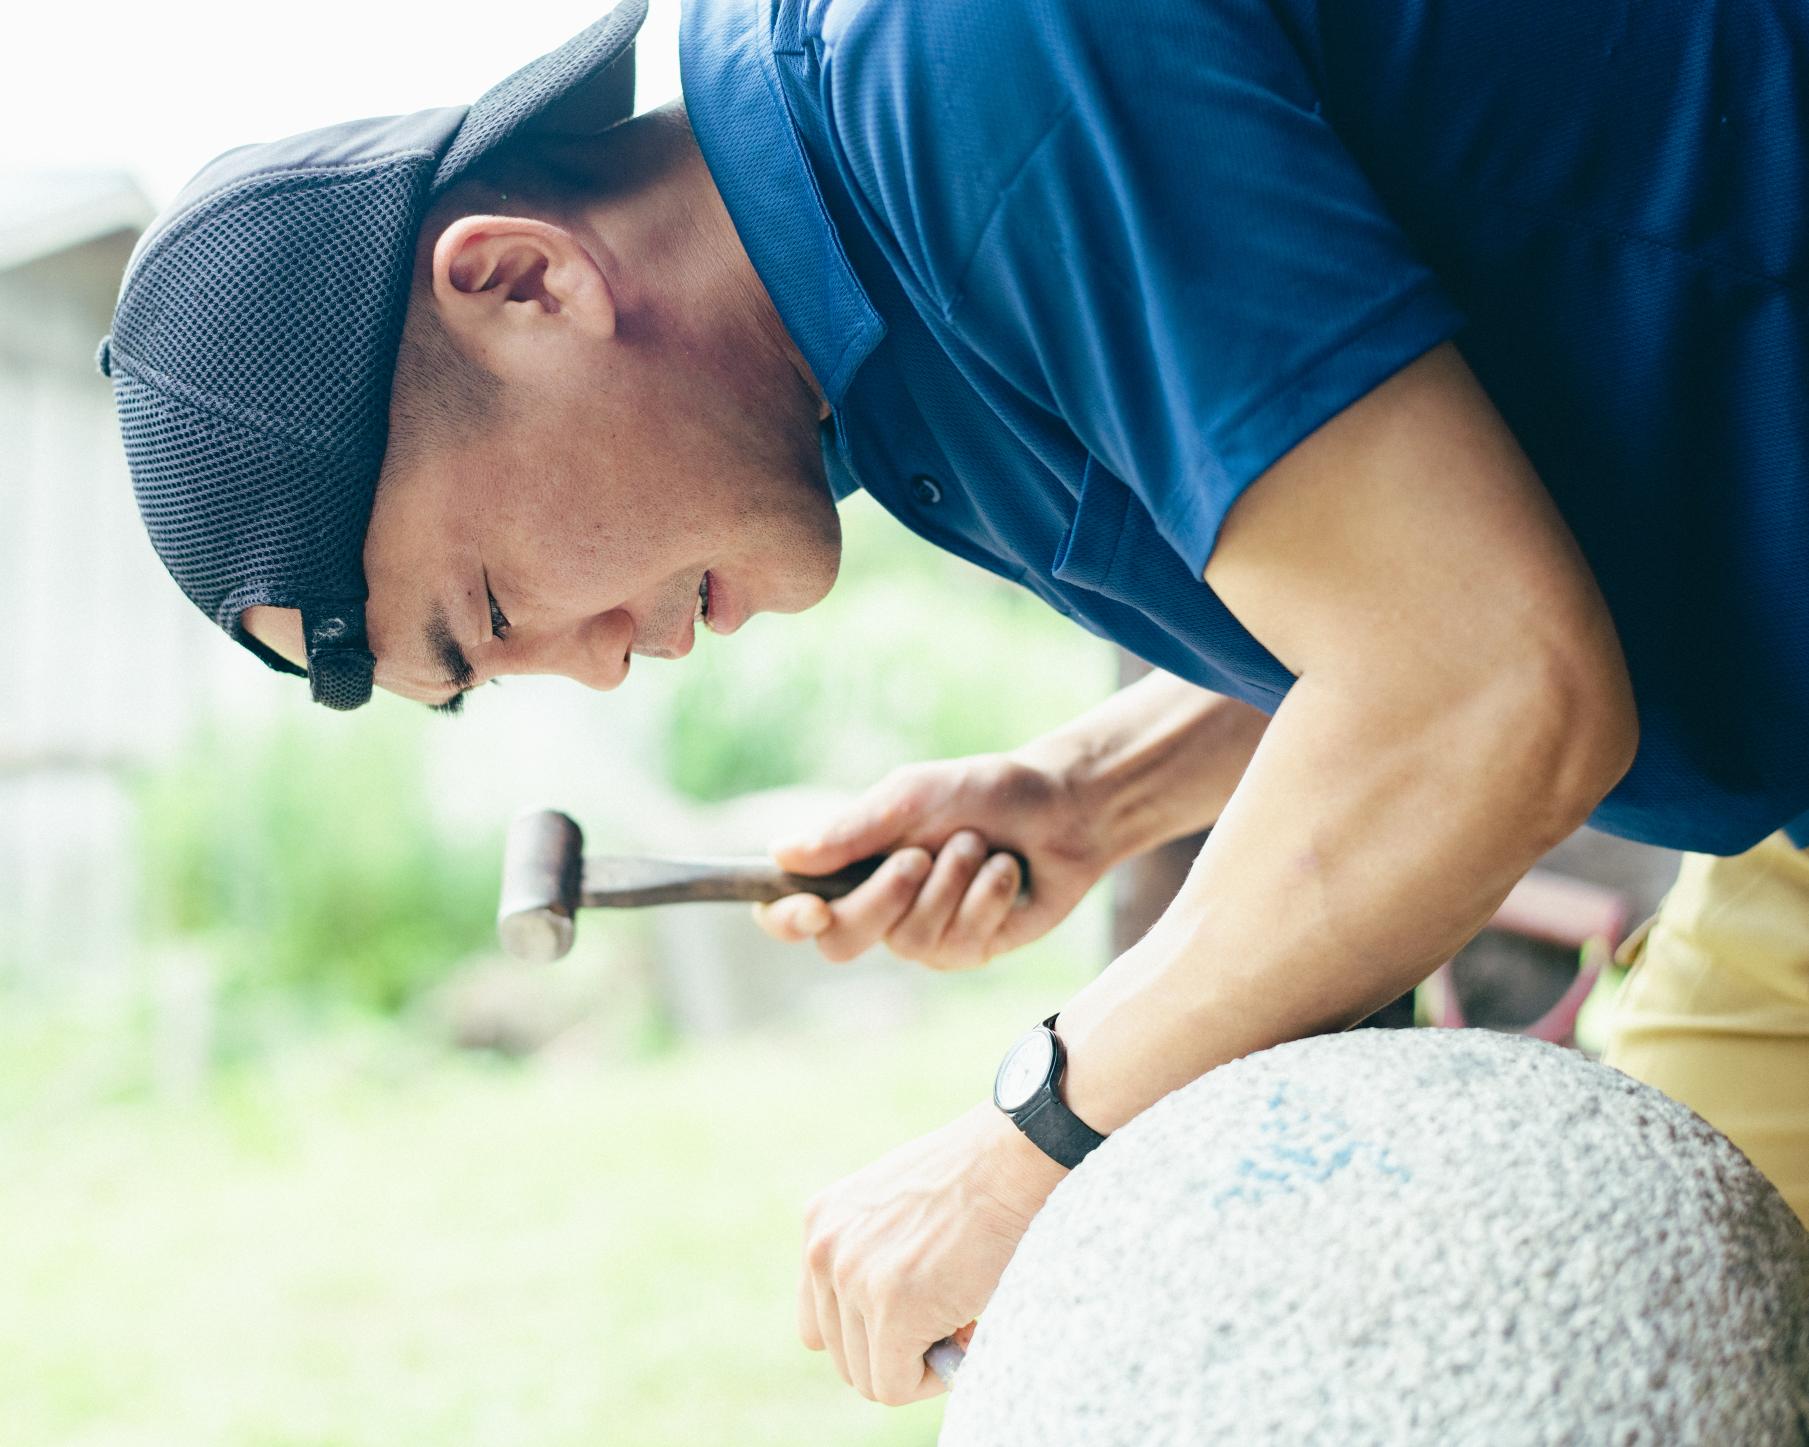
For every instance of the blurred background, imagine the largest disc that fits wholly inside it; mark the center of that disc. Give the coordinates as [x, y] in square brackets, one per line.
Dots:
[288, 1154]
[289, 1157]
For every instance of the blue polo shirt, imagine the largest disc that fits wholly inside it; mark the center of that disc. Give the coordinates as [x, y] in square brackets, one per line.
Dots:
[1073, 274]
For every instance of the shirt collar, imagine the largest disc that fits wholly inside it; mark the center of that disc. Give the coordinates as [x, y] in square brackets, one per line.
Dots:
[738, 114]
[836, 471]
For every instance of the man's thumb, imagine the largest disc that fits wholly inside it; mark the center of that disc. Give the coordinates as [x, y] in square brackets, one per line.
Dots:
[848, 839]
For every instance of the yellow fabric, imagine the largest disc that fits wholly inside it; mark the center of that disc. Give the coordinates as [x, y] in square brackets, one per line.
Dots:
[1716, 1010]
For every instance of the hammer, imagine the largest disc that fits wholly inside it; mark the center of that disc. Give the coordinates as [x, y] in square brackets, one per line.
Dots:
[546, 879]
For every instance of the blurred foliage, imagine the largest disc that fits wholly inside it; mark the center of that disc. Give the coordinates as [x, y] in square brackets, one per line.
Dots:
[358, 1244]
[915, 654]
[302, 857]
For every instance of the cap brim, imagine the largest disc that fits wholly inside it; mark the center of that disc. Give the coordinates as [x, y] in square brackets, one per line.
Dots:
[579, 90]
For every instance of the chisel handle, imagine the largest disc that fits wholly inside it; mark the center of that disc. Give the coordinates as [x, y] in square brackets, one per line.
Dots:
[945, 1360]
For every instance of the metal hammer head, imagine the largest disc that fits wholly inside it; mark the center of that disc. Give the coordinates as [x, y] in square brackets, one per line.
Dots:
[543, 869]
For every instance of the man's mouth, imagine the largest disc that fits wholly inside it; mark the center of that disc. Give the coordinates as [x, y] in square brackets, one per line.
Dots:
[720, 606]
[716, 606]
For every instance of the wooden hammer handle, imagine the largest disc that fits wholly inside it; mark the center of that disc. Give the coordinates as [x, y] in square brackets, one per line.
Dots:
[625, 883]
[621, 884]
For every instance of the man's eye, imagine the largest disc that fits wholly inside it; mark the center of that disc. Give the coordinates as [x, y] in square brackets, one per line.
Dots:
[499, 625]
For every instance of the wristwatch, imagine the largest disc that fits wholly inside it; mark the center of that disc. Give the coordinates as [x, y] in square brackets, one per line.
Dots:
[1026, 1089]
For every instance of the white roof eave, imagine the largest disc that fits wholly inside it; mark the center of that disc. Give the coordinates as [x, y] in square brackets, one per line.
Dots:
[47, 212]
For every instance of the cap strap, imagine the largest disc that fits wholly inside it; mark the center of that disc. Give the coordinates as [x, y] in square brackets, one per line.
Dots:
[340, 662]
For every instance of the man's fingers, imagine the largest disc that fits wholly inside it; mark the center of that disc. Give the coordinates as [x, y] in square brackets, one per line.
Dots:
[864, 917]
[900, 1374]
[796, 917]
[943, 911]
[984, 909]
[808, 1331]
[857, 921]
[829, 1324]
[857, 1362]
[919, 933]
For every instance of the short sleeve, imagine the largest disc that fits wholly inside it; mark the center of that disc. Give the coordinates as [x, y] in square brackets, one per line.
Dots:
[1166, 244]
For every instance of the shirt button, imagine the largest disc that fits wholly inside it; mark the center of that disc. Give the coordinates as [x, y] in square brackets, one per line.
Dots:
[926, 489]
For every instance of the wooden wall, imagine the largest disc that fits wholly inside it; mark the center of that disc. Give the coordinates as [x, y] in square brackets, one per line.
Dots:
[101, 659]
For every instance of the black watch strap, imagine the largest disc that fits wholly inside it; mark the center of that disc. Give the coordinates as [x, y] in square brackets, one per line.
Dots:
[1060, 1134]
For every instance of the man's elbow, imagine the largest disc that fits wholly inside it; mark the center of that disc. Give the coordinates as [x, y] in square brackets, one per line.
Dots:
[1586, 731]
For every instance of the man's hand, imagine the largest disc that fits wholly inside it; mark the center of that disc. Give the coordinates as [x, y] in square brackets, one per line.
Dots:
[908, 1250]
[943, 899]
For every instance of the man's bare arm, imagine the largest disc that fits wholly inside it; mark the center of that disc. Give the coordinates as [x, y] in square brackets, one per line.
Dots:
[1462, 704]
[1154, 762]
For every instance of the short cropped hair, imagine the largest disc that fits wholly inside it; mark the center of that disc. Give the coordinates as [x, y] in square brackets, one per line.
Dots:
[441, 397]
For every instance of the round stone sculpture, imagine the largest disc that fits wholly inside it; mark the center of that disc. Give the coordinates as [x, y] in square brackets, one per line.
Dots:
[1406, 1237]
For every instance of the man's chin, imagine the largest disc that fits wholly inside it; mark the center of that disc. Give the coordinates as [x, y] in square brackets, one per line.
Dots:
[821, 590]
[802, 591]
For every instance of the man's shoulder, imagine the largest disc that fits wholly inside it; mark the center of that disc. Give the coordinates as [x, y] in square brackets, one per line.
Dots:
[935, 107]
[931, 106]
[886, 26]
[967, 50]
[1002, 68]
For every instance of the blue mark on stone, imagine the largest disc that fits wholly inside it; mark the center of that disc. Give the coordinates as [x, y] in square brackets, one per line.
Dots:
[1303, 1146]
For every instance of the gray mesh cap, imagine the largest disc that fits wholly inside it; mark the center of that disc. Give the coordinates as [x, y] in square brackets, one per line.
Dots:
[254, 343]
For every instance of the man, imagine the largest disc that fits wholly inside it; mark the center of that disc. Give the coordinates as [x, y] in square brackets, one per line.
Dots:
[1421, 390]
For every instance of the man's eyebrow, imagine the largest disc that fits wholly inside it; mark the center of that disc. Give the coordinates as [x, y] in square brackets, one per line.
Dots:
[459, 672]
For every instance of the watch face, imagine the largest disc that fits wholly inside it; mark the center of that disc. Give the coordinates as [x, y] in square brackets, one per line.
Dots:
[1024, 1070]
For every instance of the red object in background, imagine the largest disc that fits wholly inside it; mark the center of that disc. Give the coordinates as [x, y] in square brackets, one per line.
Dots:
[1551, 909]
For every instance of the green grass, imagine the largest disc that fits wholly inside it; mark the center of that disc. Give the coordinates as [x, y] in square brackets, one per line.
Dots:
[370, 1243]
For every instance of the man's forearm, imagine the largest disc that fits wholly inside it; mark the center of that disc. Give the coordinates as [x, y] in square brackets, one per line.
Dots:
[1156, 761]
[1364, 846]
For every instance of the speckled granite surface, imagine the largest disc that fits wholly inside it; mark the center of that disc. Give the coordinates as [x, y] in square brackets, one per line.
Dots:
[1401, 1237]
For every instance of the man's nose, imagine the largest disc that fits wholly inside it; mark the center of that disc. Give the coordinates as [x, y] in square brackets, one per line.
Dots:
[600, 647]
[593, 652]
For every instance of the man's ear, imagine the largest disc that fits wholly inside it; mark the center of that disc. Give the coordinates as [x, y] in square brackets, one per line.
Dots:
[503, 281]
